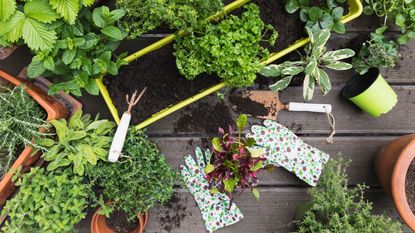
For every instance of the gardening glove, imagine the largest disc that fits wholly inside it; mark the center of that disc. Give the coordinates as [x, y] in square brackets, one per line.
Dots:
[284, 148]
[214, 207]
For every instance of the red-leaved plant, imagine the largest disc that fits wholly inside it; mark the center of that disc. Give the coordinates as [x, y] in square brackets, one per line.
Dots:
[234, 164]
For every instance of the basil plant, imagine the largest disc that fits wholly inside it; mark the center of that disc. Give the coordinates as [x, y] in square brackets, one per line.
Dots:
[312, 64]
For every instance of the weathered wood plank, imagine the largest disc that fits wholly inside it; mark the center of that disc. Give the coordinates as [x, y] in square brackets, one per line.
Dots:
[274, 212]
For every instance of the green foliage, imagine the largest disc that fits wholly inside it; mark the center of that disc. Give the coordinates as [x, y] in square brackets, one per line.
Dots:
[337, 208]
[402, 12]
[316, 58]
[20, 120]
[139, 180]
[146, 15]
[326, 16]
[46, 202]
[376, 53]
[81, 142]
[231, 49]
[83, 52]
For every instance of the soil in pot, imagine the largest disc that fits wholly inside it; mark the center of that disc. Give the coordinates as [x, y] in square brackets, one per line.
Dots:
[118, 222]
[410, 186]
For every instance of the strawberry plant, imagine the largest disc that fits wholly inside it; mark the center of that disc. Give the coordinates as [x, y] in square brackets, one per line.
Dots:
[230, 49]
[316, 58]
[83, 52]
[81, 142]
[234, 163]
[31, 20]
[46, 202]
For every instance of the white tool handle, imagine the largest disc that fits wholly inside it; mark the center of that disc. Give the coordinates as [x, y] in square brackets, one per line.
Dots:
[305, 107]
[119, 138]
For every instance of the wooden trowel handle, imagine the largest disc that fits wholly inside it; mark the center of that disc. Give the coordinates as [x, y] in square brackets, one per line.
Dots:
[305, 107]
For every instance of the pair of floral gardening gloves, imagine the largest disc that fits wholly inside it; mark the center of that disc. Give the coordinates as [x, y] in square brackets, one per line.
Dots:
[283, 148]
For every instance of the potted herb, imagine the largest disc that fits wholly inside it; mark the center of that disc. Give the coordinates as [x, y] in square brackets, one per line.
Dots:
[128, 186]
[235, 164]
[47, 202]
[312, 64]
[395, 169]
[25, 110]
[334, 207]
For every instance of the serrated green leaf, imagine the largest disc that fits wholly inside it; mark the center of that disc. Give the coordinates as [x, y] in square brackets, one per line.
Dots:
[68, 9]
[36, 35]
[97, 17]
[281, 84]
[68, 56]
[7, 9]
[35, 69]
[48, 63]
[91, 87]
[88, 2]
[229, 185]
[242, 121]
[13, 28]
[113, 32]
[41, 11]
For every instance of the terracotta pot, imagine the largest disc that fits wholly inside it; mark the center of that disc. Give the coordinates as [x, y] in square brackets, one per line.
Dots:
[99, 225]
[54, 110]
[391, 166]
[5, 52]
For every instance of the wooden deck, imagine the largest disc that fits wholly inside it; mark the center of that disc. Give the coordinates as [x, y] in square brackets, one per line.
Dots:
[358, 138]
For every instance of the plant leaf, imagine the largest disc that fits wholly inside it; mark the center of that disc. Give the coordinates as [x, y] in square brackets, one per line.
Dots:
[257, 166]
[308, 87]
[37, 36]
[13, 27]
[113, 32]
[242, 121]
[87, 2]
[209, 168]
[41, 11]
[337, 55]
[339, 66]
[324, 82]
[68, 9]
[216, 144]
[7, 9]
[35, 69]
[255, 192]
[281, 84]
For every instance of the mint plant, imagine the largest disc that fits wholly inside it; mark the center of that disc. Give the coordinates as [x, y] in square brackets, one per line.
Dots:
[20, 121]
[140, 179]
[82, 142]
[83, 52]
[334, 207]
[31, 20]
[325, 16]
[46, 202]
[376, 53]
[230, 49]
[188, 15]
[311, 64]
[235, 164]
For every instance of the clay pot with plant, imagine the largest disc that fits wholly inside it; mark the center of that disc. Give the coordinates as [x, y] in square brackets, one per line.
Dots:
[127, 188]
[395, 169]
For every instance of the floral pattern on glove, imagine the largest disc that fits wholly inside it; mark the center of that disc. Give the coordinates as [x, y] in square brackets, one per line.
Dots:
[213, 207]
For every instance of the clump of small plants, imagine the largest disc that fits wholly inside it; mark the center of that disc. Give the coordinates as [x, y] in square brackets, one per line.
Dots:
[82, 142]
[235, 162]
[327, 15]
[82, 52]
[312, 64]
[334, 207]
[376, 53]
[20, 120]
[47, 202]
[230, 49]
[146, 15]
[140, 179]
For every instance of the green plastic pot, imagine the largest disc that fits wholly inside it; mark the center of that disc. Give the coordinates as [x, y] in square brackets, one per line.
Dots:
[371, 93]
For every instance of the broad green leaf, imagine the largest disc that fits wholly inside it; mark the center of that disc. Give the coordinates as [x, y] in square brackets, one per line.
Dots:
[281, 84]
[310, 34]
[113, 32]
[229, 185]
[325, 84]
[117, 14]
[88, 2]
[321, 41]
[339, 66]
[257, 166]
[7, 9]
[60, 128]
[337, 12]
[216, 144]
[48, 63]
[242, 121]
[40, 10]
[308, 87]
[51, 153]
[13, 27]
[89, 154]
[339, 27]
[36, 35]
[78, 167]
[311, 67]
[337, 55]
[255, 192]
[35, 69]
[68, 9]
[400, 20]
[292, 70]
[209, 168]
[272, 70]
[46, 142]
[314, 13]
[292, 6]
[91, 87]
[97, 17]
[75, 135]
[68, 56]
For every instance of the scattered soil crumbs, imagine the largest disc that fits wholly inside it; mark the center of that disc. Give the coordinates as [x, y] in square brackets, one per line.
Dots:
[118, 222]
[410, 186]
[246, 105]
[165, 86]
[204, 118]
[174, 214]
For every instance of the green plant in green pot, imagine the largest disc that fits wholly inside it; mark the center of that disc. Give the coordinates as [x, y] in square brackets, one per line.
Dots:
[82, 142]
[140, 179]
[334, 207]
[312, 64]
[47, 202]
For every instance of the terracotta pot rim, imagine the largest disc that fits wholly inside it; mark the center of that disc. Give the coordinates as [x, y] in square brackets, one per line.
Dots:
[398, 183]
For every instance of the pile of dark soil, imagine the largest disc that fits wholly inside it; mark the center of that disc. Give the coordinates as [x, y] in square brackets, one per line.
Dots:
[174, 215]
[410, 186]
[118, 222]
[204, 118]
[246, 105]
[165, 86]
